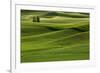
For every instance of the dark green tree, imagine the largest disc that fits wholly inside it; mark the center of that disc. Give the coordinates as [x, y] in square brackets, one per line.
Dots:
[38, 19]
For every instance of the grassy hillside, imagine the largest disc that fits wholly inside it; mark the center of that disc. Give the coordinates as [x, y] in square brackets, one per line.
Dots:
[58, 36]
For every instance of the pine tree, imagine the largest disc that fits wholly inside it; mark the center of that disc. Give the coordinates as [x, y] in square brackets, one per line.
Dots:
[38, 19]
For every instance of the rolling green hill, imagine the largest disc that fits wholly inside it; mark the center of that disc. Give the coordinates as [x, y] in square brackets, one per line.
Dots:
[59, 36]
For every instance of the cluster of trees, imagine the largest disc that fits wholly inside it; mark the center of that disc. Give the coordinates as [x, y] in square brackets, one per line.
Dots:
[36, 19]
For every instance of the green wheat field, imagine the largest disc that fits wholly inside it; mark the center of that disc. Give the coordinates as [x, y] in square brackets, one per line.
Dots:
[54, 36]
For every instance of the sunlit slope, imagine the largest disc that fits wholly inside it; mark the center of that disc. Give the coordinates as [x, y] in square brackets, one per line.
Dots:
[77, 52]
[42, 42]
[30, 28]
[44, 38]
[65, 48]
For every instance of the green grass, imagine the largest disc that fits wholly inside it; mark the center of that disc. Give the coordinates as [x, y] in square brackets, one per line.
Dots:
[59, 36]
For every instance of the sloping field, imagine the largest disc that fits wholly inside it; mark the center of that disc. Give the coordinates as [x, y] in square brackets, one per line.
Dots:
[59, 36]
